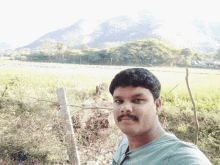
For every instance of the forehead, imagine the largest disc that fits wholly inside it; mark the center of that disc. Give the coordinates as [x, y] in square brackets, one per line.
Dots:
[131, 91]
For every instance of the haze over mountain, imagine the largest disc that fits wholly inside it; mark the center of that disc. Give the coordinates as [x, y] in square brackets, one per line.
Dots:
[198, 35]
[5, 47]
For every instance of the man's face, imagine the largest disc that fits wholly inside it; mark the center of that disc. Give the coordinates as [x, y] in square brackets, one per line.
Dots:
[135, 111]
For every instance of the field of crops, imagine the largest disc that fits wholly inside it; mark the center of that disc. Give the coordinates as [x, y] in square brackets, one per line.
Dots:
[30, 121]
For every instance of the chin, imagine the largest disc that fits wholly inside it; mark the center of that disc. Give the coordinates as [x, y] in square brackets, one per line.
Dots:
[128, 130]
[130, 133]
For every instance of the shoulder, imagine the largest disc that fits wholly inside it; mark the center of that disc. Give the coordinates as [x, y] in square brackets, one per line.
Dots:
[124, 141]
[188, 153]
[122, 147]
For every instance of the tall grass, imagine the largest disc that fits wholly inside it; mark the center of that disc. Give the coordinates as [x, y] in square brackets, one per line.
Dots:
[31, 128]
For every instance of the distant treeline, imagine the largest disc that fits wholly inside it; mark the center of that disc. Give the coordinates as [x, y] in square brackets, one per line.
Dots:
[151, 52]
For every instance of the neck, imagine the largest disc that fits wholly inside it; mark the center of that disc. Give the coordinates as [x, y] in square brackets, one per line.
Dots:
[140, 140]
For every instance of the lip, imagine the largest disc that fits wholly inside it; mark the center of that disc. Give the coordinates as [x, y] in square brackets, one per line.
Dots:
[126, 118]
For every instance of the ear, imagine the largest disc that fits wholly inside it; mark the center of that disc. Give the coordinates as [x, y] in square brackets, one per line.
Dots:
[158, 106]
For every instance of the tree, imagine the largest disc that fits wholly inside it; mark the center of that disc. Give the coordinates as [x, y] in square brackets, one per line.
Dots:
[60, 51]
[85, 47]
[157, 52]
[150, 51]
[93, 55]
[196, 57]
[59, 46]
[188, 54]
[217, 56]
[49, 46]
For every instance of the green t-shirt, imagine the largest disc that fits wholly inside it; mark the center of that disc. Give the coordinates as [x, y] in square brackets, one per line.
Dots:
[166, 150]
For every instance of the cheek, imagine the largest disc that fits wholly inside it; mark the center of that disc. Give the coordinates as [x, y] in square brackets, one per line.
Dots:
[116, 109]
[115, 113]
[114, 106]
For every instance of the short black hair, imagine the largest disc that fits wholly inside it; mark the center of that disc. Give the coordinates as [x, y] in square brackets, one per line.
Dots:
[137, 77]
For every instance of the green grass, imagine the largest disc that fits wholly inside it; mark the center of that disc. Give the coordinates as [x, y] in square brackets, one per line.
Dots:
[33, 126]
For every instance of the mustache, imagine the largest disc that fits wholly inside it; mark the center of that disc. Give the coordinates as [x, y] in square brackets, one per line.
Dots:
[135, 118]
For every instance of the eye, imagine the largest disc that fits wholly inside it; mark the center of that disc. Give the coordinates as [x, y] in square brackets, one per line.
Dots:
[118, 101]
[137, 101]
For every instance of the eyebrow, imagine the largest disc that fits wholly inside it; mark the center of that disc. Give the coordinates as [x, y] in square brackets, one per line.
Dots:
[136, 95]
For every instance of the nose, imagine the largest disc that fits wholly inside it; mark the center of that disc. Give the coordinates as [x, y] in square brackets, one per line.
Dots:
[126, 108]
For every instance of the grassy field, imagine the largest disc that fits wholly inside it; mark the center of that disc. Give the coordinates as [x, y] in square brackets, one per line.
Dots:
[30, 126]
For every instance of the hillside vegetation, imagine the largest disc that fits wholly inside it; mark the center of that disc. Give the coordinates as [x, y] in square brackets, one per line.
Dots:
[151, 52]
[30, 124]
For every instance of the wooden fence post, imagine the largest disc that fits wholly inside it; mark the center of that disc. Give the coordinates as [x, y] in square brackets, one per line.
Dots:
[194, 108]
[68, 128]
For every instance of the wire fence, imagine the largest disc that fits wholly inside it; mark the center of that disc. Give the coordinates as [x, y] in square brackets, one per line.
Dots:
[37, 132]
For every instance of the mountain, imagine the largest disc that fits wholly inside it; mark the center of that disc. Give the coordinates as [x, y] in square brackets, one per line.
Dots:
[198, 35]
[5, 47]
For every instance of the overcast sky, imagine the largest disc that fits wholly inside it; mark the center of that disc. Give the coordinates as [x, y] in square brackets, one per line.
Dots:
[23, 21]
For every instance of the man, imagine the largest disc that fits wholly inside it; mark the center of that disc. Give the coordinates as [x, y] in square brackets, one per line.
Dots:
[136, 105]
